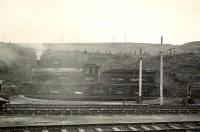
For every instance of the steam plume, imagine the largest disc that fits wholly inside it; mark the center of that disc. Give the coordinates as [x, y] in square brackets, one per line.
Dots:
[38, 48]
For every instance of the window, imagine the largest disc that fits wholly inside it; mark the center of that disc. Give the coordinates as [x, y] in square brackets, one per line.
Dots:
[89, 78]
[87, 71]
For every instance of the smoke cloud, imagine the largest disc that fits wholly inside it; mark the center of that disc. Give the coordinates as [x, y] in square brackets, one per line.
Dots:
[38, 48]
[39, 51]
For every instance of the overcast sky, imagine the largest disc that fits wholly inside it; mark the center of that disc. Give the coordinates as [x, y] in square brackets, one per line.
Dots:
[100, 20]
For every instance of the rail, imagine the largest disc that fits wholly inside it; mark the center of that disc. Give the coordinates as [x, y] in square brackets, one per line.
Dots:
[28, 109]
[138, 127]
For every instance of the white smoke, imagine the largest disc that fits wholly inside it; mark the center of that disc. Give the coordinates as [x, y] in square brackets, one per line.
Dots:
[38, 48]
[39, 51]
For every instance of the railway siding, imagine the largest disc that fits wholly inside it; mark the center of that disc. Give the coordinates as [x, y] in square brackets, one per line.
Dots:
[23, 109]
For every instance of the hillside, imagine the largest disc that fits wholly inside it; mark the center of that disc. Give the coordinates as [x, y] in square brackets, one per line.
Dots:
[191, 47]
[179, 70]
[115, 48]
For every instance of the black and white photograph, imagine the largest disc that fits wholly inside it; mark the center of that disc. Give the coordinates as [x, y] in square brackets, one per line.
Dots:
[99, 65]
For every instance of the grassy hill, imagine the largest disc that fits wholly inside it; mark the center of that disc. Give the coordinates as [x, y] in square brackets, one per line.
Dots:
[179, 70]
[191, 47]
[114, 48]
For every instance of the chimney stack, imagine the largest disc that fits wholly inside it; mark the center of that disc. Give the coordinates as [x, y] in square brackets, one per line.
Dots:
[38, 63]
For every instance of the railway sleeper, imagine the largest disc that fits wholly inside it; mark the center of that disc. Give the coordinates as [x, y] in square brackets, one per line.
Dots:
[138, 127]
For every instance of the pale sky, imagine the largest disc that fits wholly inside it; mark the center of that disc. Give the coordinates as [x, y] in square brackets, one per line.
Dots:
[100, 21]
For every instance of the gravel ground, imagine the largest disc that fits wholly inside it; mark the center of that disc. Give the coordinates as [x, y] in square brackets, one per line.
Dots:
[20, 99]
[69, 120]
[77, 119]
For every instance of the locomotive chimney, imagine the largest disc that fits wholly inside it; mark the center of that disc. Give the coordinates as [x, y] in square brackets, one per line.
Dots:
[38, 63]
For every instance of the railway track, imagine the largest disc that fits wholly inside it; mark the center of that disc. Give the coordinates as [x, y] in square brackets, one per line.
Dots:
[138, 127]
[15, 106]
[23, 109]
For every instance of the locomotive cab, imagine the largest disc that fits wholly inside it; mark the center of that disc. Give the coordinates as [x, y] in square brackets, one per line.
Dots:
[91, 72]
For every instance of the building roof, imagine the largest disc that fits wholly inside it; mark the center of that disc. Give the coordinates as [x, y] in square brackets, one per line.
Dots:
[56, 70]
[126, 70]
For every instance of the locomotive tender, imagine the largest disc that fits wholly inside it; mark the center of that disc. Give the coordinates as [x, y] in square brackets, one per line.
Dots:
[87, 83]
[126, 82]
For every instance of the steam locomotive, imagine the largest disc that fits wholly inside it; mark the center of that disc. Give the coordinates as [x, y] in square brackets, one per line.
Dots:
[87, 83]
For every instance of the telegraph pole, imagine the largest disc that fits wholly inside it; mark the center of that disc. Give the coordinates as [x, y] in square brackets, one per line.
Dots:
[140, 78]
[161, 72]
